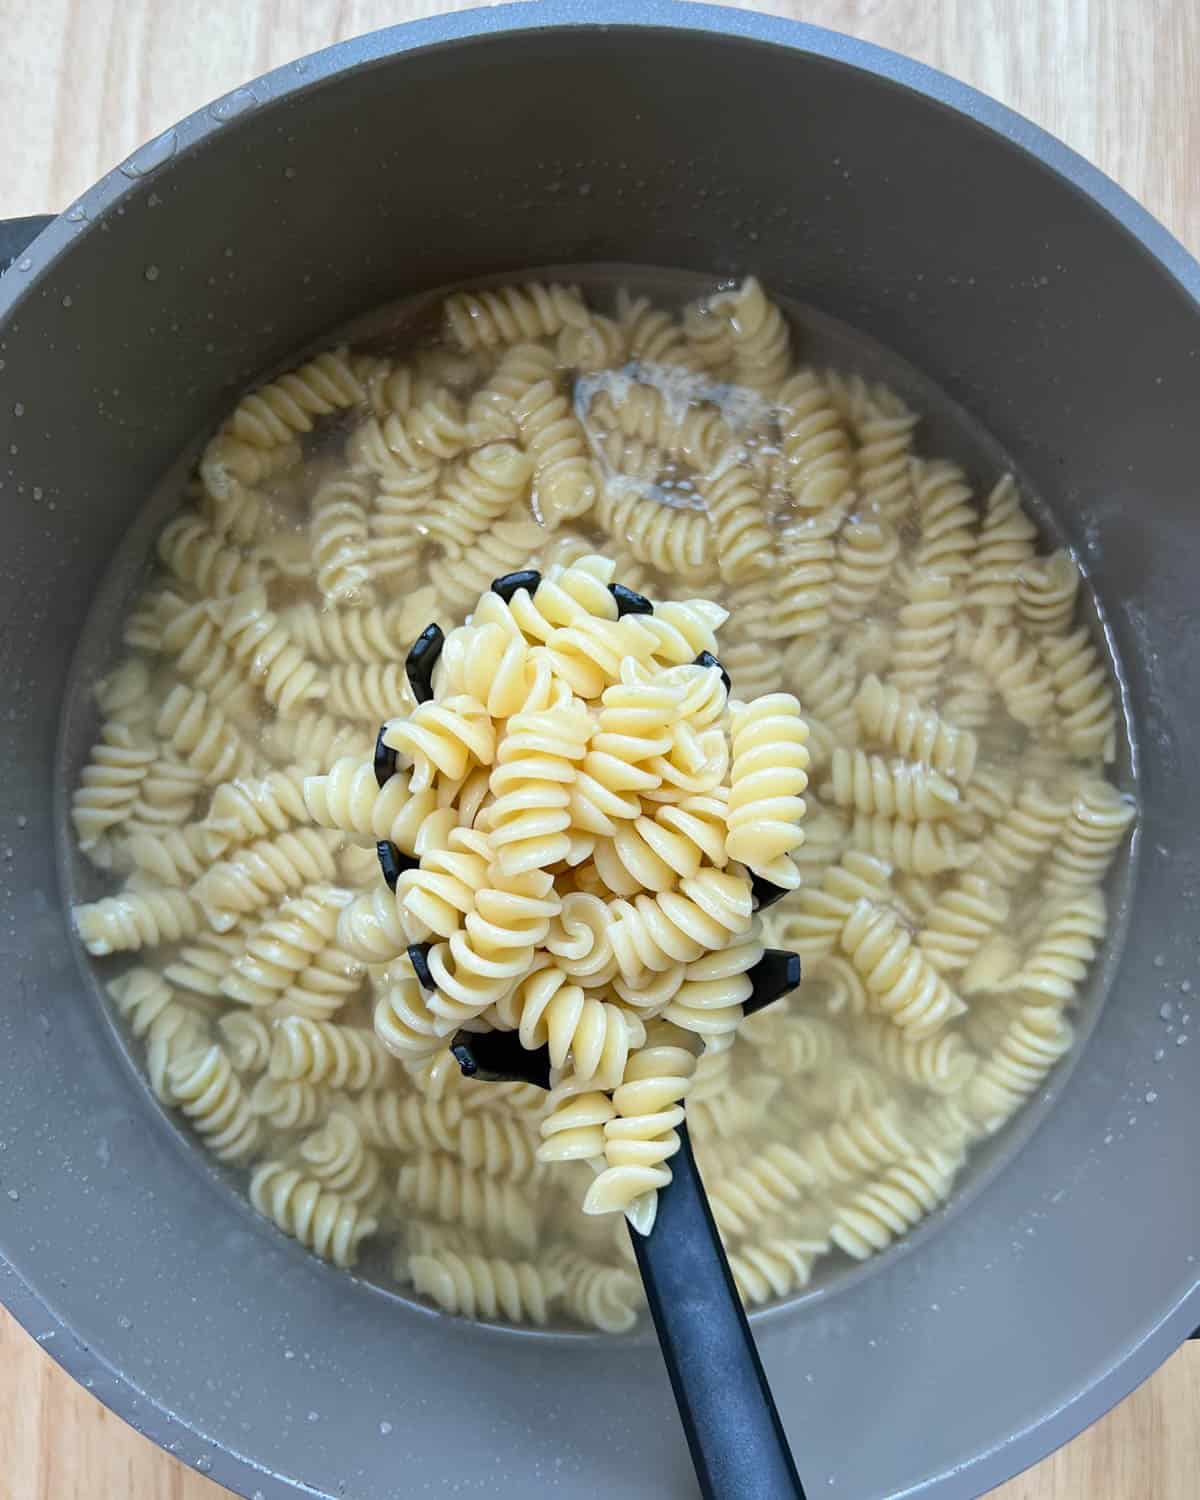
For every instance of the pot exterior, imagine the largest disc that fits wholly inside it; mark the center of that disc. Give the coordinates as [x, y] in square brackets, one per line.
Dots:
[994, 260]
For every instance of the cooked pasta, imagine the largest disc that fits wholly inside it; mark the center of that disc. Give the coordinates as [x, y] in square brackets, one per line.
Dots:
[893, 1203]
[1047, 588]
[135, 919]
[1083, 693]
[867, 548]
[510, 314]
[564, 484]
[433, 427]
[480, 1286]
[815, 443]
[814, 921]
[915, 848]
[528, 819]
[288, 1106]
[774, 1268]
[199, 966]
[869, 1137]
[1022, 836]
[326, 986]
[904, 724]
[737, 570]
[1068, 935]
[409, 1123]
[901, 789]
[442, 1188]
[268, 654]
[768, 740]
[548, 1010]
[109, 785]
[730, 1112]
[1011, 664]
[244, 810]
[247, 1039]
[961, 920]
[173, 856]
[707, 911]
[313, 740]
[272, 414]
[477, 491]
[125, 695]
[598, 1295]
[599, 344]
[1026, 1050]
[651, 333]
[789, 1044]
[283, 946]
[1092, 832]
[826, 683]
[343, 1057]
[167, 1029]
[940, 1064]
[190, 725]
[802, 583]
[1007, 541]
[757, 1193]
[208, 1092]
[761, 343]
[329, 1225]
[946, 518]
[713, 990]
[338, 539]
[203, 559]
[498, 1146]
[573, 1128]
[884, 428]
[900, 982]
[641, 1137]
[672, 540]
[336, 1156]
[736, 509]
[924, 637]
[648, 411]
[248, 880]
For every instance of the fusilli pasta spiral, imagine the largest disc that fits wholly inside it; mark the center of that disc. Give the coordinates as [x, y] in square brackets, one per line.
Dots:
[900, 981]
[815, 444]
[767, 775]
[510, 314]
[1092, 832]
[901, 722]
[135, 919]
[761, 345]
[210, 1095]
[270, 867]
[888, 1207]
[327, 1224]
[480, 1286]
[443, 1189]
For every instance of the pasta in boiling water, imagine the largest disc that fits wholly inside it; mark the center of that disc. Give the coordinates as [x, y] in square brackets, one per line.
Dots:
[848, 670]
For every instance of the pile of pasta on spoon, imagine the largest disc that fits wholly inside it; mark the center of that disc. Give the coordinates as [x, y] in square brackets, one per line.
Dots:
[574, 825]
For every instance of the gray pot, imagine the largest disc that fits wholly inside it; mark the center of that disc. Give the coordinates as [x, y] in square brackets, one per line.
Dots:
[996, 261]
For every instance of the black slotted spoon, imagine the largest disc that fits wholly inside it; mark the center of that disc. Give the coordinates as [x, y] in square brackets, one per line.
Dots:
[732, 1426]
[733, 1431]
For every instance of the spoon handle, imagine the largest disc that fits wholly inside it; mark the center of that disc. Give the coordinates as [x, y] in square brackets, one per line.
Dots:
[733, 1430]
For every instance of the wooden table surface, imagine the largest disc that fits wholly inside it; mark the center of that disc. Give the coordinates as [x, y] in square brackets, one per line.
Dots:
[82, 82]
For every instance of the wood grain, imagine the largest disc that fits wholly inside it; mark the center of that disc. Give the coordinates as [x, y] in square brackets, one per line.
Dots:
[84, 82]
